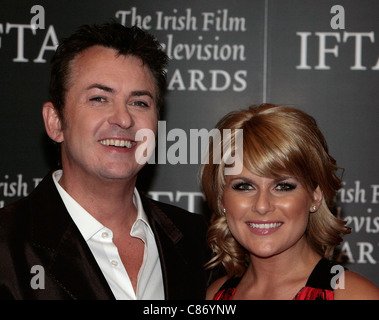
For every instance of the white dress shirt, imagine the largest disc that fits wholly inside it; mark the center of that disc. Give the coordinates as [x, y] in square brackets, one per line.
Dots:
[100, 241]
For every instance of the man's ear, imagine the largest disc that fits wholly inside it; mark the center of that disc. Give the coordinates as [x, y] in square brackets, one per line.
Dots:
[53, 123]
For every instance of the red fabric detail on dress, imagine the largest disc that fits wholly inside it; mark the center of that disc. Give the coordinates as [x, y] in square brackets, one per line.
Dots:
[226, 294]
[308, 293]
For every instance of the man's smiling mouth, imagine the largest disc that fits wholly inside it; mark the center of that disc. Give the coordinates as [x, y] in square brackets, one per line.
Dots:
[117, 143]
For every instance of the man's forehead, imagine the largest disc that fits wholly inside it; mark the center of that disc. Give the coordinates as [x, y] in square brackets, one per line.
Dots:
[96, 60]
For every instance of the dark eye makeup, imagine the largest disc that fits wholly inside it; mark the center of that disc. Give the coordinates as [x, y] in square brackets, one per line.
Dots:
[280, 186]
[285, 186]
[242, 186]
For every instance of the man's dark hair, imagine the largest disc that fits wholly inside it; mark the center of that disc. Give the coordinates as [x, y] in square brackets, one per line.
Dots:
[125, 40]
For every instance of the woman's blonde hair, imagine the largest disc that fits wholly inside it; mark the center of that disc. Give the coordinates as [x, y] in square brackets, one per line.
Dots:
[277, 140]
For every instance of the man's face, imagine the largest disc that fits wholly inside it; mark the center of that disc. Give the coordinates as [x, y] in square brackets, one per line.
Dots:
[109, 98]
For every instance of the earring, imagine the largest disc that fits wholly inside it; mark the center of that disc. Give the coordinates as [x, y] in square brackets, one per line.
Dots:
[314, 208]
[223, 210]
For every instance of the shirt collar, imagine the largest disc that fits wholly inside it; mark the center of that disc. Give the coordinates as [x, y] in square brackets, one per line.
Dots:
[86, 223]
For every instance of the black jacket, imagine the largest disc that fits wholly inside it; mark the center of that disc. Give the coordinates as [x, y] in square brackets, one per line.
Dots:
[38, 231]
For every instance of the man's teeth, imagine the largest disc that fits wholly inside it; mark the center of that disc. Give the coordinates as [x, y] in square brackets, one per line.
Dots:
[116, 143]
[265, 225]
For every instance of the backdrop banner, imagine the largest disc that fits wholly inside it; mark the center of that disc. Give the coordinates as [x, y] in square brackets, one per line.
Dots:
[319, 56]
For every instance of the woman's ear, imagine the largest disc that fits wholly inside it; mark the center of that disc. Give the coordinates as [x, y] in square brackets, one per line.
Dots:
[53, 123]
[317, 199]
[221, 206]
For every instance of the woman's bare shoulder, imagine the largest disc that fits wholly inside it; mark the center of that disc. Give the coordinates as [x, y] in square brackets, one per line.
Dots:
[214, 287]
[353, 286]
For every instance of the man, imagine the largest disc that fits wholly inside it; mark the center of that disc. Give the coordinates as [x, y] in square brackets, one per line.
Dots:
[86, 232]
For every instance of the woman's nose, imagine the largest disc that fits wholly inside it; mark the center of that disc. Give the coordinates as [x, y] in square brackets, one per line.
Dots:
[263, 203]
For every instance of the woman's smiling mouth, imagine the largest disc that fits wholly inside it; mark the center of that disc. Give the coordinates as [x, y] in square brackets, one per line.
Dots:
[264, 227]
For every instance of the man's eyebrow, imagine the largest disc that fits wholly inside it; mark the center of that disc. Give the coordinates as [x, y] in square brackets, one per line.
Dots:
[136, 93]
[101, 87]
[139, 93]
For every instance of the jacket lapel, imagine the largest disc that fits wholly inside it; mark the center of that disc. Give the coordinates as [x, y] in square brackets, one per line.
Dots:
[65, 254]
[68, 260]
[168, 238]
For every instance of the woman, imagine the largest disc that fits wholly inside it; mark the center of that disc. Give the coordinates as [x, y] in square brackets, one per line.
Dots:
[271, 226]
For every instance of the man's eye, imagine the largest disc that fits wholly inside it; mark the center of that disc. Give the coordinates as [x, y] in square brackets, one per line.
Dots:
[243, 186]
[97, 99]
[140, 104]
[285, 187]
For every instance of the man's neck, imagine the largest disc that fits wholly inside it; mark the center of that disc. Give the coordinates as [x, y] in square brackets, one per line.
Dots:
[108, 201]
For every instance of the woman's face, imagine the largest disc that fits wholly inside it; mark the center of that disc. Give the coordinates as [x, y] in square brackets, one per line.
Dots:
[267, 216]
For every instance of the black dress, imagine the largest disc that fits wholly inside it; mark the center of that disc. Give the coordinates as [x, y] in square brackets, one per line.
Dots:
[318, 286]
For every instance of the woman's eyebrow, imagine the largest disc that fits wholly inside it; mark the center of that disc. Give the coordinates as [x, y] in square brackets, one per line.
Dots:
[283, 178]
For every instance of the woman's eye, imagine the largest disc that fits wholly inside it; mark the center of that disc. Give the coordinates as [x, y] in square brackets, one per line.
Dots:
[285, 187]
[243, 186]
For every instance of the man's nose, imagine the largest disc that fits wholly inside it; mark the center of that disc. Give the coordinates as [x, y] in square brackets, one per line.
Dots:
[121, 116]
